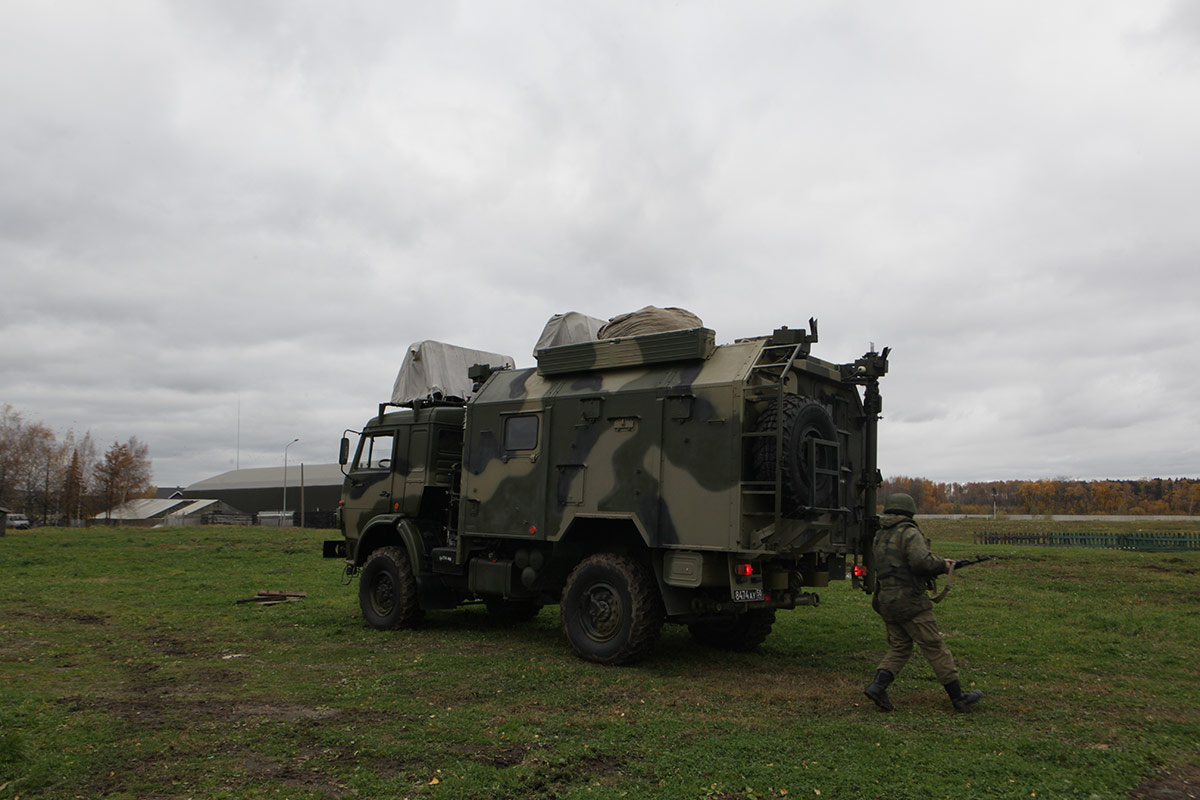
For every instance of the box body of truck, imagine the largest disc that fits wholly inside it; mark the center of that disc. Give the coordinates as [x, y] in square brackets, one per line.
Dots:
[632, 481]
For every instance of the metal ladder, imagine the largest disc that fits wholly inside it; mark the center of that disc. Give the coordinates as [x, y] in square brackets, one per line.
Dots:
[772, 366]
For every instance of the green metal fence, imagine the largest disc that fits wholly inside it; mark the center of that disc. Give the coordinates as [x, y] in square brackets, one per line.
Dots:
[1149, 542]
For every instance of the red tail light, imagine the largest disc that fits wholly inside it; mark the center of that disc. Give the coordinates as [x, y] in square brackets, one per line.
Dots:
[860, 571]
[745, 570]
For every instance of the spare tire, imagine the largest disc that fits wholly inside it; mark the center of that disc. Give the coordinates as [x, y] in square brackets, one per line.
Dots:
[801, 419]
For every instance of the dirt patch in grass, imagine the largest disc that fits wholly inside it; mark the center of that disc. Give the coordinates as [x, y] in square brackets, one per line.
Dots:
[18, 649]
[746, 689]
[170, 646]
[284, 712]
[602, 764]
[32, 613]
[153, 710]
[1177, 782]
[47, 615]
[495, 756]
[307, 772]
[1161, 568]
[553, 779]
[296, 776]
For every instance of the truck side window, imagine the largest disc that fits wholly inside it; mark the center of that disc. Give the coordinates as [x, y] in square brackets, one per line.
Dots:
[521, 432]
[375, 452]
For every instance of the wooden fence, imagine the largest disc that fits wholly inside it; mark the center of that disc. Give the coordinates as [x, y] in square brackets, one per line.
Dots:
[1148, 542]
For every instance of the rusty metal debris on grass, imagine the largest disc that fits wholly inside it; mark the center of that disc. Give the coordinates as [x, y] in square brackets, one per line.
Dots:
[268, 597]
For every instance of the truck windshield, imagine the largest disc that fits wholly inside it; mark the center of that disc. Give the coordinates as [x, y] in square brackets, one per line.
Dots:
[375, 451]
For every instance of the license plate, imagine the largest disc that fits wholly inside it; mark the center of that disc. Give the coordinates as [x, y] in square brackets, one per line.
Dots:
[747, 595]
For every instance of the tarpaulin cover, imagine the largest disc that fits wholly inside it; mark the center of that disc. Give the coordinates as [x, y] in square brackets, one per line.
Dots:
[438, 371]
[569, 328]
[650, 319]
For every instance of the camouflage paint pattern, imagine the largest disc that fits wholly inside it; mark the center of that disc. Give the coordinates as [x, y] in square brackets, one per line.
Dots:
[661, 445]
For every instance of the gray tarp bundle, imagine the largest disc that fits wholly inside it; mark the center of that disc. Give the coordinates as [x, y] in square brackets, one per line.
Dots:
[573, 327]
[569, 328]
[437, 371]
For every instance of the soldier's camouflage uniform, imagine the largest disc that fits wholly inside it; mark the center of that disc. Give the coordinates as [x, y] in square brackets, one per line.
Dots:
[903, 563]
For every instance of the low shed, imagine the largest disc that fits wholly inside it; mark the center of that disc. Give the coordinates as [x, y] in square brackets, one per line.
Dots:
[142, 511]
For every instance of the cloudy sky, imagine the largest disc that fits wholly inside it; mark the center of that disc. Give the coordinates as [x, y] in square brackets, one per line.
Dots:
[221, 223]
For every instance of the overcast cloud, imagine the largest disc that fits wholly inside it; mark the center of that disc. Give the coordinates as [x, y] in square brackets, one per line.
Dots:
[221, 223]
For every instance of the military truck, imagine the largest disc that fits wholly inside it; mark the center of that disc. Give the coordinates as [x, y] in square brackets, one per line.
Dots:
[633, 481]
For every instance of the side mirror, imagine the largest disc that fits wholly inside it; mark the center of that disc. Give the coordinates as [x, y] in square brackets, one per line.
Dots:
[344, 453]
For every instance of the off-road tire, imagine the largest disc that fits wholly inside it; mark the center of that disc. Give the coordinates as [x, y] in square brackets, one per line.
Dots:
[802, 419]
[741, 634]
[611, 610]
[509, 611]
[387, 590]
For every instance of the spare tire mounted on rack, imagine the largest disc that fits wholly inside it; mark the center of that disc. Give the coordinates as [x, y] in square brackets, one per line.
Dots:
[802, 419]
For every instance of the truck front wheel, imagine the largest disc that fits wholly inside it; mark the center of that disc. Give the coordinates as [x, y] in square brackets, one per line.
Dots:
[387, 590]
[611, 610]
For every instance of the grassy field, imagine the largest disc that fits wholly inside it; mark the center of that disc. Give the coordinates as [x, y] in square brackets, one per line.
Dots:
[129, 670]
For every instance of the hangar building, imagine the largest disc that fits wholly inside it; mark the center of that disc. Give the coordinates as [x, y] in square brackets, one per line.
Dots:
[251, 491]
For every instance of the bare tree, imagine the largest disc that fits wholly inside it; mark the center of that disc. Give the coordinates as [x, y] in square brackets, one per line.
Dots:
[123, 473]
[11, 455]
[37, 466]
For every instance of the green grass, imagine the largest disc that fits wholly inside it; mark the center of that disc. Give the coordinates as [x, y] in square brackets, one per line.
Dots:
[128, 670]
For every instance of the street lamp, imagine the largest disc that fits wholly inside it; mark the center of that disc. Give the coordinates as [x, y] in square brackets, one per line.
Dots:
[285, 455]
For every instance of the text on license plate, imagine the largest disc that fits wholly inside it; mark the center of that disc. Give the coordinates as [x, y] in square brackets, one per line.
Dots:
[747, 595]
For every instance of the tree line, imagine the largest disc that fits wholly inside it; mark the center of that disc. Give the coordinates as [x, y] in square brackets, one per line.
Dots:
[1051, 496]
[56, 481]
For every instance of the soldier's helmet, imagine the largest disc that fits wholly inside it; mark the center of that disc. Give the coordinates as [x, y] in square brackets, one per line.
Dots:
[900, 503]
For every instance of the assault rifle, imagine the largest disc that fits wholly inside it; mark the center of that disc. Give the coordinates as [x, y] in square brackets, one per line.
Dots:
[931, 583]
[966, 562]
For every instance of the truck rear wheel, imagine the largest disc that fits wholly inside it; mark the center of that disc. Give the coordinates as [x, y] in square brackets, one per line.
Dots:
[741, 634]
[387, 590]
[611, 610]
[802, 419]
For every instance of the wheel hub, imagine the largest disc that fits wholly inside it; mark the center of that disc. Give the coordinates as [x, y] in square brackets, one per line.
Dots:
[383, 593]
[601, 612]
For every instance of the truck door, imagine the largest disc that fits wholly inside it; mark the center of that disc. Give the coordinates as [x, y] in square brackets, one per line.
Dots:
[504, 485]
[374, 484]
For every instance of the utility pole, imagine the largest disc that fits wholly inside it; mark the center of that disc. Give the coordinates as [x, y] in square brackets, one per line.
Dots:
[285, 455]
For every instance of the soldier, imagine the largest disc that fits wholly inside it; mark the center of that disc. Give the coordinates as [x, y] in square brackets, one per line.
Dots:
[902, 565]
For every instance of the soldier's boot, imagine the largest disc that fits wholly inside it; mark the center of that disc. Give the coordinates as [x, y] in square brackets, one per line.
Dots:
[962, 700]
[877, 690]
